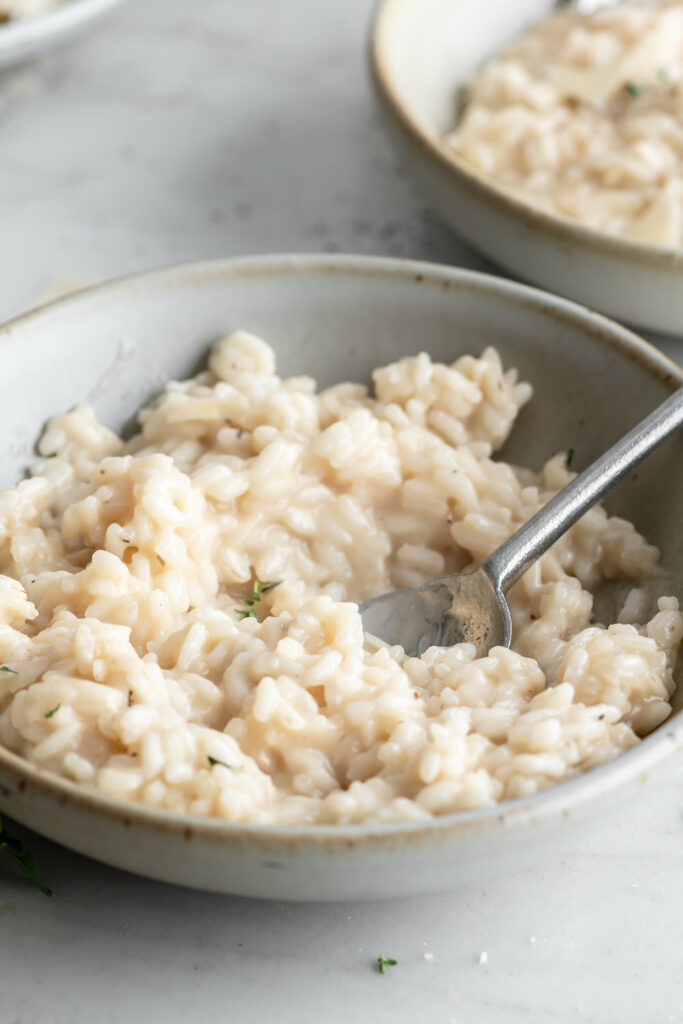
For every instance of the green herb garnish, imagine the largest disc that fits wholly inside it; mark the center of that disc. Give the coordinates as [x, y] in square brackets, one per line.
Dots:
[6, 668]
[383, 962]
[14, 848]
[52, 711]
[252, 603]
[569, 457]
[632, 88]
[215, 760]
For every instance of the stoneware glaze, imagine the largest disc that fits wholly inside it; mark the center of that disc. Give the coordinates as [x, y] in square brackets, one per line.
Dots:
[422, 53]
[337, 318]
[25, 38]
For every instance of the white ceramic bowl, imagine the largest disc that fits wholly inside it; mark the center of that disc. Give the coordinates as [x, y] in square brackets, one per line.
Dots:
[337, 318]
[421, 53]
[28, 37]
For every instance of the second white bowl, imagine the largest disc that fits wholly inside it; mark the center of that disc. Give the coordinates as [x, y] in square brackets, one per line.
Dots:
[422, 52]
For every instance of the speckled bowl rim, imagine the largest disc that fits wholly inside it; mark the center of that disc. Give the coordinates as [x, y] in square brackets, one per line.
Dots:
[557, 802]
[25, 33]
[439, 153]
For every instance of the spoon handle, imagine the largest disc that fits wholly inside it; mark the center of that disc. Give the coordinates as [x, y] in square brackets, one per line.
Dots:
[514, 557]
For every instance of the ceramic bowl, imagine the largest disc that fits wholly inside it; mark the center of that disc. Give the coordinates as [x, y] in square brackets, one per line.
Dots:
[29, 37]
[422, 52]
[337, 318]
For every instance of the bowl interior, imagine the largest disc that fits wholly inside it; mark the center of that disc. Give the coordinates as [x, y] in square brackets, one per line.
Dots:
[337, 319]
[431, 48]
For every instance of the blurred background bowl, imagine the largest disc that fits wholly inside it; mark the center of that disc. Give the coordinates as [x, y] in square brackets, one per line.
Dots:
[422, 53]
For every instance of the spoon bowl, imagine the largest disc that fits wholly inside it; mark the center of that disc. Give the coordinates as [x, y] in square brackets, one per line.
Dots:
[471, 608]
[466, 609]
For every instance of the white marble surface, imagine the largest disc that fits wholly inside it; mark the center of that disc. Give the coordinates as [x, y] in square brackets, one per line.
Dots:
[191, 130]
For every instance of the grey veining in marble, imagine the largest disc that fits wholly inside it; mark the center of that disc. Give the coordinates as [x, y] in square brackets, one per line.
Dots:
[189, 130]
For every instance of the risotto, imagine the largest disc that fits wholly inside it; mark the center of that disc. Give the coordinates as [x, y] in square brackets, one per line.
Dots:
[584, 116]
[178, 613]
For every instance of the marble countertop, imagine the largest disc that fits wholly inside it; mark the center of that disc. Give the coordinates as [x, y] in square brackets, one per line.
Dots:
[182, 131]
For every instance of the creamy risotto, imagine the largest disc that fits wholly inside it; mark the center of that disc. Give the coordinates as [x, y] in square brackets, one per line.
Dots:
[584, 116]
[178, 617]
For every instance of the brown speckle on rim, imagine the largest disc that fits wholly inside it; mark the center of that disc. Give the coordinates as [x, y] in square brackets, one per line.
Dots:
[419, 278]
[187, 833]
[22, 785]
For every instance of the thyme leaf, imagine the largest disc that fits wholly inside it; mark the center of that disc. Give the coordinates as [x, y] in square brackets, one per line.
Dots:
[570, 456]
[52, 711]
[14, 848]
[6, 668]
[216, 760]
[383, 962]
[252, 603]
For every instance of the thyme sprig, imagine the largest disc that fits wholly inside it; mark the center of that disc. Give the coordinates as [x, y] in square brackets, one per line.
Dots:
[14, 848]
[383, 962]
[253, 602]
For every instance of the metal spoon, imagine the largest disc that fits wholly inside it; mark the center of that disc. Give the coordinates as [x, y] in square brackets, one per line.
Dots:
[471, 607]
